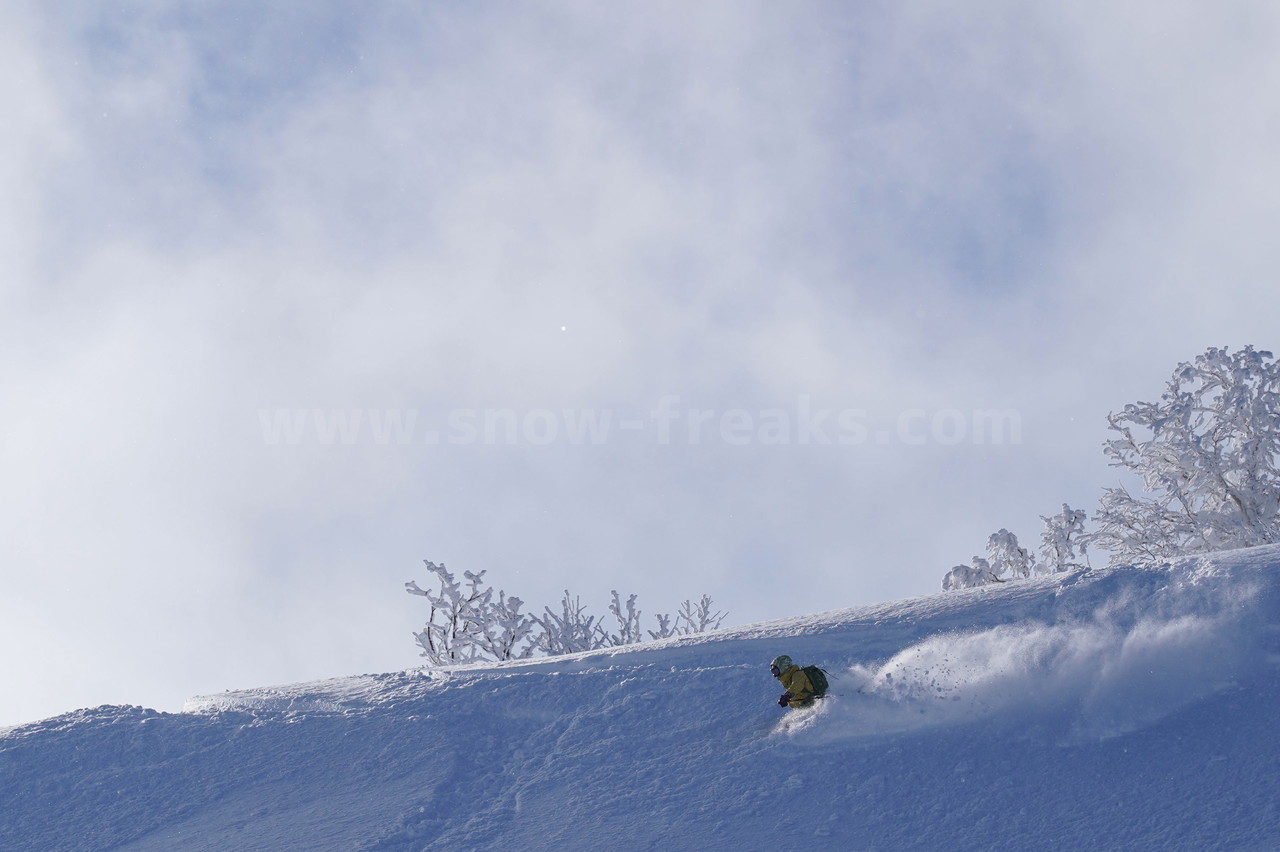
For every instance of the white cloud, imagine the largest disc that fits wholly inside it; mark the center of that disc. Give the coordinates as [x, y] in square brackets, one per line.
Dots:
[883, 209]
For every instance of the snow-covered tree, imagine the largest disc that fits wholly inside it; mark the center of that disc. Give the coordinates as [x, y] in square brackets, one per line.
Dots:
[1207, 454]
[970, 576]
[1063, 541]
[1007, 557]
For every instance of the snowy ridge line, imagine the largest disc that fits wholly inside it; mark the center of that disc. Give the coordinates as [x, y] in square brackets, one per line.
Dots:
[345, 694]
[855, 643]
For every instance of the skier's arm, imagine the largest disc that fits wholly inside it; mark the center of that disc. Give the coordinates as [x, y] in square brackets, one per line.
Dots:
[799, 686]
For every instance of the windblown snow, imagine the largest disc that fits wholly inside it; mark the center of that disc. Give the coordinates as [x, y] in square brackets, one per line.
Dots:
[1109, 709]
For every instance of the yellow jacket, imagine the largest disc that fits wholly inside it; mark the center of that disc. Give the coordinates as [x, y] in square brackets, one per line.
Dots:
[795, 681]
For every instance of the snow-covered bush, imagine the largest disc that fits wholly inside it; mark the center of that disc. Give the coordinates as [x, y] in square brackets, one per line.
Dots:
[698, 618]
[571, 630]
[1007, 557]
[505, 632]
[466, 623]
[665, 630]
[970, 576]
[1062, 537]
[472, 622]
[628, 619]
[1207, 454]
[690, 619]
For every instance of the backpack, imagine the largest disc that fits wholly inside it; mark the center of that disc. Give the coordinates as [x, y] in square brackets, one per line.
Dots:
[818, 678]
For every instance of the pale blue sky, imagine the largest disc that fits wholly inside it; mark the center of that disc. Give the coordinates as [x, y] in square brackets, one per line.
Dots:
[429, 209]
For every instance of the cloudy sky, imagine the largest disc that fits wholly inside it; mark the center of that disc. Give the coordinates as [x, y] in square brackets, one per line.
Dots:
[661, 297]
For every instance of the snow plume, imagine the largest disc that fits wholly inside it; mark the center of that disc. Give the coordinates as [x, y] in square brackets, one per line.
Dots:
[1132, 660]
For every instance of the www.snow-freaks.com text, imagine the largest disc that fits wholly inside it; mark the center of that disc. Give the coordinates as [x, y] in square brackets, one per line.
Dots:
[667, 423]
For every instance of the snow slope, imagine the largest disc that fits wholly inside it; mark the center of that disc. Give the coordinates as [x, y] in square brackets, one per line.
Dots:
[1115, 709]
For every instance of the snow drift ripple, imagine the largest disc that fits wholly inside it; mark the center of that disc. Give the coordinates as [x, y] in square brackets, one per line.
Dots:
[1096, 669]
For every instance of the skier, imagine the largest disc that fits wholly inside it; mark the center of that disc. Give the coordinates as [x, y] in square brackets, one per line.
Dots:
[800, 688]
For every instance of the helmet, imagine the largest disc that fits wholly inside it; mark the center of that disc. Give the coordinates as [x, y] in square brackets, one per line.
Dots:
[780, 664]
